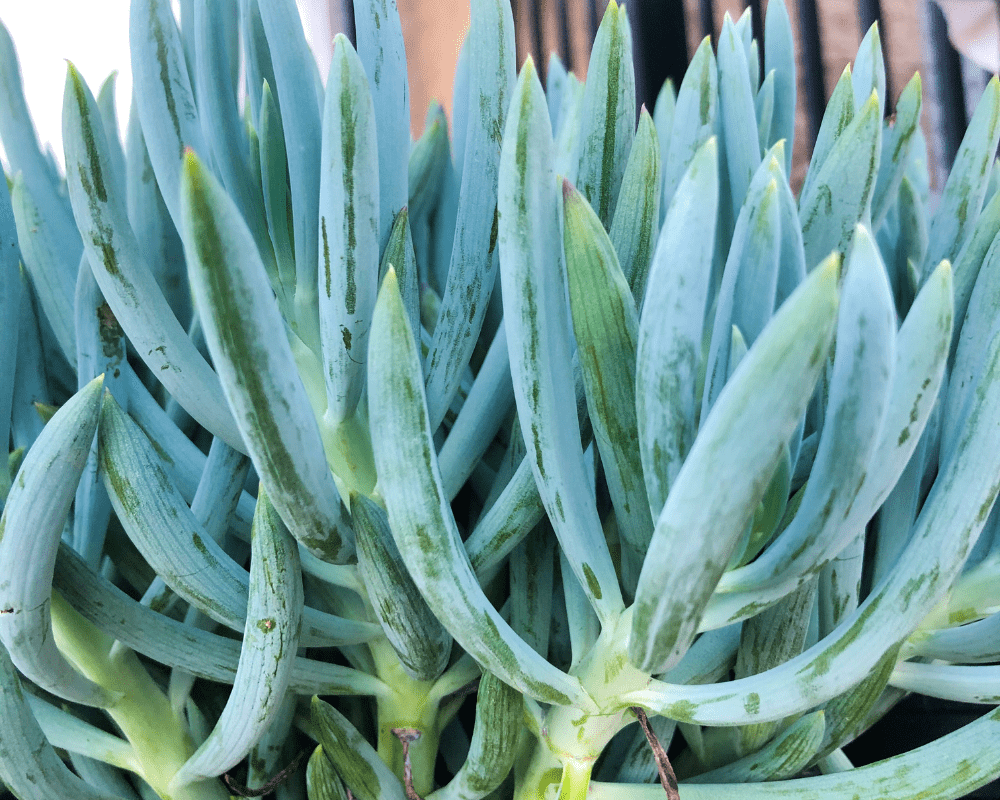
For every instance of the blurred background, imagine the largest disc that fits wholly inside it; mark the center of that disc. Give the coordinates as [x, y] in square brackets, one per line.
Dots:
[915, 36]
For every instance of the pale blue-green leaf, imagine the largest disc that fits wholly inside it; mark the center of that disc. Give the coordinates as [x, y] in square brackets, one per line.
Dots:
[747, 293]
[960, 684]
[696, 532]
[30, 530]
[784, 756]
[472, 270]
[583, 625]
[912, 245]
[607, 116]
[839, 113]
[962, 198]
[428, 159]
[948, 767]
[358, 764]
[294, 67]
[779, 58]
[968, 265]
[668, 352]
[68, 732]
[555, 81]
[792, 261]
[694, 119]
[840, 196]
[764, 107]
[499, 722]
[482, 414]
[102, 777]
[274, 185]
[164, 97]
[11, 292]
[223, 128]
[379, 36]
[100, 351]
[515, 513]
[399, 253]
[52, 278]
[185, 647]
[24, 154]
[978, 327]
[322, 781]
[869, 70]
[737, 116]
[921, 355]
[637, 214]
[29, 766]
[442, 230]
[860, 388]
[349, 230]
[605, 324]
[538, 340]
[849, 714]
[123, 274]
[420, 641]
[244, 331]
[151, 223]
[531, 586]
[109, 119]
[176, 544]
[663, 120]
[270, 639]
[974, 643]
[256, 55]
[949, 522]
[840, 585]
[570, 124]
[460, 97]
[892, 526]
[30, 377]
[897, 141]
[421, 519]
[266, 756]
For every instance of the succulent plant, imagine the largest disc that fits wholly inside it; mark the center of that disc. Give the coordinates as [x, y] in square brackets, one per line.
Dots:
[592, 420]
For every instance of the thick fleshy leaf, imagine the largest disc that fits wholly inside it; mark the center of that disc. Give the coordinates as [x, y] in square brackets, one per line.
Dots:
[779, 59]
[124, 275]
[499, 721]
[868, 74]
[962, 198]
[11, 292]
[482, 414]
[671, 326]
[607, 116]
[764, 108]
[356, 761]
[839, 113]
[380, 46]
[637, 213]
[164, 96]
[322, 781]
[538, 340]
[419, 639]
[29, 766]
[30, 530]
[421, 519]
[185, 647]
[472, 269]
[244, 329]
[695, 532]
[896, 144]
[273, 162]
[270, 640]
[172, 540]
[531, 588]
[349, 230]
[738, 116]
[605, 323]
[840, 196]
[294, 68]
[694, 121]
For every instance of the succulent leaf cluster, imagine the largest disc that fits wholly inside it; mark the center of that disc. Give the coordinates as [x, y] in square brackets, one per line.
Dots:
[558, 455]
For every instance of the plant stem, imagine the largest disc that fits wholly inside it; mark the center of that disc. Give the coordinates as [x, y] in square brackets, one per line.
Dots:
[575, 779]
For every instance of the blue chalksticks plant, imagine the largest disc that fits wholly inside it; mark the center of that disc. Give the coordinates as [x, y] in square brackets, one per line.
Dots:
[561, 456]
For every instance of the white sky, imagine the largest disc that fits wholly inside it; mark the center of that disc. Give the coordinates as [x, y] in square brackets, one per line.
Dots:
[93, 34]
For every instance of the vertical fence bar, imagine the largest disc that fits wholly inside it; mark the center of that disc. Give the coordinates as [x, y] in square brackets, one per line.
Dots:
[565, 48]
[870, 12]
[537, 23]
[706, 17]
[594, 20]
[757, 25]
[951, 89]
[812, 57]
[661, 51]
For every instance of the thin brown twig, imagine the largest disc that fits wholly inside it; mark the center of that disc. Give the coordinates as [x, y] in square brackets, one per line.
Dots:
[267, 788]
[407, 736]
[667, 777]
